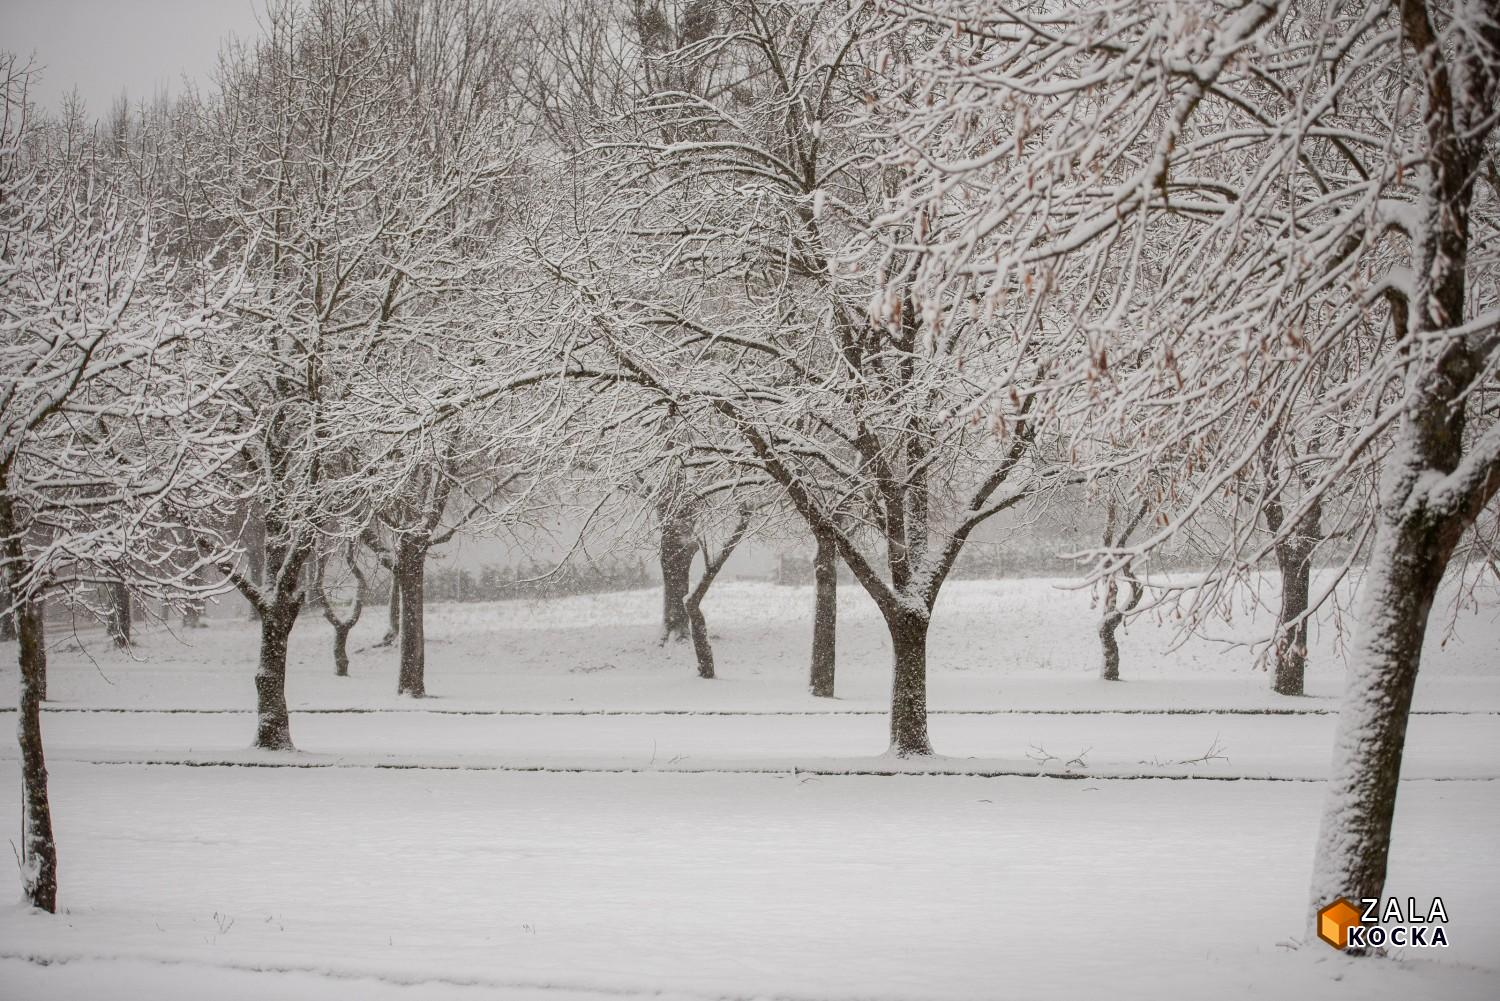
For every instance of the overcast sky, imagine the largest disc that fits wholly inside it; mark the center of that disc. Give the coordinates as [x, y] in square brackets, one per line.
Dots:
[107, 46]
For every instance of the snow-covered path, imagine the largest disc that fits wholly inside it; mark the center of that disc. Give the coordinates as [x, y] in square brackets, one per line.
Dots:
[1211, 745]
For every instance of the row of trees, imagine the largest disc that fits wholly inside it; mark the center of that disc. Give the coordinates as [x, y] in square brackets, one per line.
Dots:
[868, 272]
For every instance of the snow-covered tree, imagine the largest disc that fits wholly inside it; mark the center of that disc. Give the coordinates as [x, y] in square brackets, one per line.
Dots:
[323, 597]
[1118, 527]
[714, 272]
[363, 219]
[111, 433]
[1270, 223]
[441, 485]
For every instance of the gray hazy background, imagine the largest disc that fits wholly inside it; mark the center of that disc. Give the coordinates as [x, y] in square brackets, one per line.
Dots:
[106, 47]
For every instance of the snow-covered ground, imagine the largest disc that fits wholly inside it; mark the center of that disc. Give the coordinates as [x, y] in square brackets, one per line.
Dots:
[576, 815]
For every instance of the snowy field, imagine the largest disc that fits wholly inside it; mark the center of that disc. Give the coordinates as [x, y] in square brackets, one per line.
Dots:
[575, 815]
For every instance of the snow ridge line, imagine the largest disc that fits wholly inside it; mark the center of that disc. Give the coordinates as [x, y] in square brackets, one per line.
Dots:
[792, 770]
[389, 977]
[356, 711]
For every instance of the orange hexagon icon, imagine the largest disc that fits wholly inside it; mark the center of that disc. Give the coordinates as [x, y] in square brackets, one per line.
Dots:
[1335, 920]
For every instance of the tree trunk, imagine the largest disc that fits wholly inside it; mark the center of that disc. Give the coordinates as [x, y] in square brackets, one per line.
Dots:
[692, 605]
[38, 849]
[7, 621]
[1107, 627]
[825, 616]
[1423, 508]
[1401, 583]
[909, 684]
[411, 568]
[702, 649]
[677, 549]
[1294, 559]
[39, 627]
[119, 613]
[341, 627]
[1291, 644]
[273, 725]
[341, 650]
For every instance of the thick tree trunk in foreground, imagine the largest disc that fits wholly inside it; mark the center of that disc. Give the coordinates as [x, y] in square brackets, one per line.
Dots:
[119, 614]
[38, 849]
[273, 730]
[1400, 585]
[676, 555]
[39, 627]
[825, 617]
[1432, 487]
[909, 683]
[411, 570]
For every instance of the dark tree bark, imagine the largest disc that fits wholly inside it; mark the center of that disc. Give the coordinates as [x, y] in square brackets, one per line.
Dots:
[39, 627]
[1291, 642]
[7, 621]
[1294, 557]
[1107, 626]
[341, 649]
[693, 604]
[411, 571]
[676, 556]
[38, 848]
[273, 730]
[278, 605]
[825, 615]
[119, 613]
[1114, 613]
[908, 628]
[703, 650]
